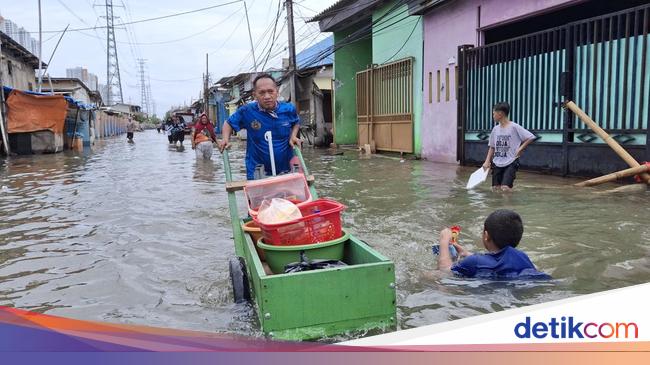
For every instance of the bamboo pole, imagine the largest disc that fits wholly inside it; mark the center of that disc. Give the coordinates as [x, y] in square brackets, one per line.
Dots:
[616, 175]
[620, 151]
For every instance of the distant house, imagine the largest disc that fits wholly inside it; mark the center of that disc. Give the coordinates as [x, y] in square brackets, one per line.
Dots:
[314, 89]
[73, 87]
[127, 108]
[17, 64]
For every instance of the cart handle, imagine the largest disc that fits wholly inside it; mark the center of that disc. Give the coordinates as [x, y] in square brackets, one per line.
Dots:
[226, 165]
[305, 170]
[228, 171]
[298, 153]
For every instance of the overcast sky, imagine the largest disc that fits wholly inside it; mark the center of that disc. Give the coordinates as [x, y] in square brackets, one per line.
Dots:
[174, 47]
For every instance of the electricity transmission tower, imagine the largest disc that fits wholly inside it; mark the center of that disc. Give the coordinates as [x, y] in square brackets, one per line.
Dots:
[152, 104]
[113, 80]
[144, 88]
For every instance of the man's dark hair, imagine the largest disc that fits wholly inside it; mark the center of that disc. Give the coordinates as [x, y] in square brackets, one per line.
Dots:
[502, 107]
[504, 227]
[263, 76]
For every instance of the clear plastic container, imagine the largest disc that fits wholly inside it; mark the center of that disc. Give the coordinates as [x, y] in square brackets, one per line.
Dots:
[292, 187]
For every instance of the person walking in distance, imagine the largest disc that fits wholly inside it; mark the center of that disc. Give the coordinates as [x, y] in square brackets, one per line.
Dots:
[203, 137]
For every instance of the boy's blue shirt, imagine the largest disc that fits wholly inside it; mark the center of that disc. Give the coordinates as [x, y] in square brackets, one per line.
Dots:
[507, 263]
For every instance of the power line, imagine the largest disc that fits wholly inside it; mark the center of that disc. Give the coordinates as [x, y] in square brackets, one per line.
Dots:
[306, 8]
[248, 55]
[235, 29]
[179, 80]
[191, 35]
[361, 34]
[72, 12]
[273, 38]
[149, 19]
[283, 47]
[162, 42]
[406, 41]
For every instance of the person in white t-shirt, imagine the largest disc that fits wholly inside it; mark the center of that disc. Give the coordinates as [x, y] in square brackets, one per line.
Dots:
[508, 141]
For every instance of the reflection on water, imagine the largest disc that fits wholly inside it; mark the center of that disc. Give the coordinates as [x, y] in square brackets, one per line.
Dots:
[141, 234]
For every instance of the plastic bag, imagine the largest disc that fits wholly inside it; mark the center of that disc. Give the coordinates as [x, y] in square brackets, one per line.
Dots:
[278, 210]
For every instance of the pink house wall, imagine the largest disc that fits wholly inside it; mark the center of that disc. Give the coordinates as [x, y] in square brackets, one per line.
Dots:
[445, 28]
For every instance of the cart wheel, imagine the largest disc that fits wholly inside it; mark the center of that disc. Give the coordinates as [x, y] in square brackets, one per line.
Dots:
[239, 280]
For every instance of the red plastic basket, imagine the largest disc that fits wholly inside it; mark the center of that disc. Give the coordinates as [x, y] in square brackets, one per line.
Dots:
[320, 222]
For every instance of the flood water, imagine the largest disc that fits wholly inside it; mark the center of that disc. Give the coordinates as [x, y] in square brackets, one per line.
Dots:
[141, 234]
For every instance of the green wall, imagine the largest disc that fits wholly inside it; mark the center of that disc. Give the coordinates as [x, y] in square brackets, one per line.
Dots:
[348, 61]
[389, 43]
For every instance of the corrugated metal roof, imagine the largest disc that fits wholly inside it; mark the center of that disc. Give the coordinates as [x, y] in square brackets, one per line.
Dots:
[332, 9]
[311, 57]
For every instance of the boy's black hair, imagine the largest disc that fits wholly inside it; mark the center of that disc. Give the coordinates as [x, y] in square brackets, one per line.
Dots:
[504, 227]
[263, 76]
[502, 107]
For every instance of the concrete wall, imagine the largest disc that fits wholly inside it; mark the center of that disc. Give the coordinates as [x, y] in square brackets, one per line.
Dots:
[323, 78]
[391, 42]
[347, 62]
[22, 75]
[446, 28]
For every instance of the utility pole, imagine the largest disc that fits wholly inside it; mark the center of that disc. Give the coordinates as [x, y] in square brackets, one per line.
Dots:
[206, 108]
[40, 48]
[250, 38]
[144, 95]
[292, 53]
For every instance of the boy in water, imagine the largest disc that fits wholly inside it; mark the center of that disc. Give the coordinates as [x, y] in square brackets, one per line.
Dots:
[502, 232]
[508, 141]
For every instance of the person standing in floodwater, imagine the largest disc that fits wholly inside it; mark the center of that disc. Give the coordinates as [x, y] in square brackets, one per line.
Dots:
[130, 129]
[202, 137]
[177, 131]
[264, 115]
[508, 141]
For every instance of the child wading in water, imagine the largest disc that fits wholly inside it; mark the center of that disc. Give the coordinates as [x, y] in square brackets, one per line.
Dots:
[502, 232]
[508, 141]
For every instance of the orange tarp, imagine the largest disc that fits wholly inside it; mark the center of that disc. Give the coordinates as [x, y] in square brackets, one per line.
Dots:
[31, 113]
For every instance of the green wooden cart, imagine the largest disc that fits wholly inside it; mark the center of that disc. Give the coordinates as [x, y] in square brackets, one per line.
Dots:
[312, 304]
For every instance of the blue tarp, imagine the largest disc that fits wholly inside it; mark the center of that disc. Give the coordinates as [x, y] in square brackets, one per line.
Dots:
[70, 100]
[311, 57]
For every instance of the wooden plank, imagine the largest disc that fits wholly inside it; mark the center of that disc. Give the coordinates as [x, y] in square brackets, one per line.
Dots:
[233, 186]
